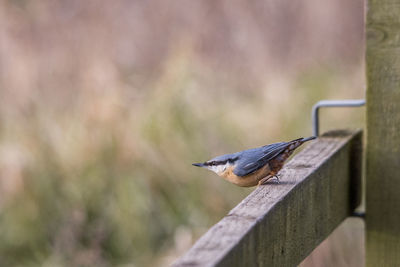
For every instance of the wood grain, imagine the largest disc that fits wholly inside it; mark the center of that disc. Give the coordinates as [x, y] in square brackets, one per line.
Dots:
[383, 133]
[280, 224]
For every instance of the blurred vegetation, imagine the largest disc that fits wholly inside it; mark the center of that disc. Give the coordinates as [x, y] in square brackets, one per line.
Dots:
[104, 106]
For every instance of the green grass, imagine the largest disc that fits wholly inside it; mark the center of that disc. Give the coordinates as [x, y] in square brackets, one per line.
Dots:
[104, 108]
[117, 187]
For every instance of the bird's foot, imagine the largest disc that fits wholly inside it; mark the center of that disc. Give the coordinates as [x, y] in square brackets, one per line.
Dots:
[277, 178]
[264, 180]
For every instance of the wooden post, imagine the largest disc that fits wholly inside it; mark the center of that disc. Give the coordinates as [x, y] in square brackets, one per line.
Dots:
[383, 133]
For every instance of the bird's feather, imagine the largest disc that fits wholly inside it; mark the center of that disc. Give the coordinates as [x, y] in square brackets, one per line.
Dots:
[257, 157]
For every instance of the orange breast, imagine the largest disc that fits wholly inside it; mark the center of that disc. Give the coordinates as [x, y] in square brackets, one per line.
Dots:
[248, 180]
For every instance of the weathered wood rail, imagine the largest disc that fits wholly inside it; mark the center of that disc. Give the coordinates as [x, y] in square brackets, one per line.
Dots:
[280, 224]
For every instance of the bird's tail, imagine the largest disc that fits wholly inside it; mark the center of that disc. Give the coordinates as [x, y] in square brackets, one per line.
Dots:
[298, 142]
[292, 145]
[308, 139]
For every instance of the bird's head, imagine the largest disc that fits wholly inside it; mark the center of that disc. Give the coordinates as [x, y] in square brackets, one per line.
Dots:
[218, 165]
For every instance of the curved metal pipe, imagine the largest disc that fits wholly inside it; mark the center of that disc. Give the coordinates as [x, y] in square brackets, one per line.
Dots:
[331, 103]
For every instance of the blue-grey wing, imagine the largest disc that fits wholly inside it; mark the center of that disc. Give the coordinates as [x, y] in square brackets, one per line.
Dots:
[254, 159]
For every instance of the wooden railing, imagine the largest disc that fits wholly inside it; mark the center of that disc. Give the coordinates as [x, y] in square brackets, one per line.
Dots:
[280, 224]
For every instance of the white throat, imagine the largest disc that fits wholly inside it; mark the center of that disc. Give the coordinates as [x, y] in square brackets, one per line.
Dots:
[218, 169]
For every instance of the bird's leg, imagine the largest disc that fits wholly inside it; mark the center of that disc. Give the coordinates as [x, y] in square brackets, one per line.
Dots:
[277, 178]
[268, 177]
[264, 180]
[274, 174]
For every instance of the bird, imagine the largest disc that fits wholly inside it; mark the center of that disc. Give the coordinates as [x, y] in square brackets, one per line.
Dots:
[254, 166]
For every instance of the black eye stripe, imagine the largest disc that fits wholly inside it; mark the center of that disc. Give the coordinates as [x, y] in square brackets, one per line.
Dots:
[222, 162]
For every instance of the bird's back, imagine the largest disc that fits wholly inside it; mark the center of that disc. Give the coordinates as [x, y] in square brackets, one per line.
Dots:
[252, 160]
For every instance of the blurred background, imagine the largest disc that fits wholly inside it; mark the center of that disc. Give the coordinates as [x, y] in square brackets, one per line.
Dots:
[104, 105]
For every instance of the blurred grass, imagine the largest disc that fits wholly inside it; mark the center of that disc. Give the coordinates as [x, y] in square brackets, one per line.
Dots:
[104, 108]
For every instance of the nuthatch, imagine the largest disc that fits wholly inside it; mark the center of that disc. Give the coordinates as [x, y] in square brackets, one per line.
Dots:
[253, 166]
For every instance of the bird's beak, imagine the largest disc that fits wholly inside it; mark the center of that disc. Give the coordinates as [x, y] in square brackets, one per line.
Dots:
[198, 164]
